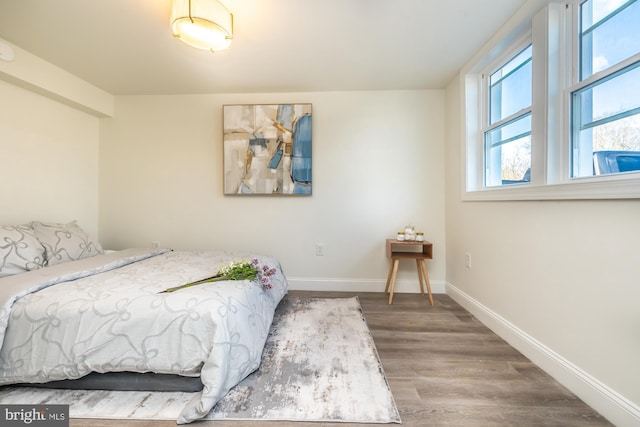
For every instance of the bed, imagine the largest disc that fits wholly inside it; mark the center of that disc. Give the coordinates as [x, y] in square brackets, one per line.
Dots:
[106, 313]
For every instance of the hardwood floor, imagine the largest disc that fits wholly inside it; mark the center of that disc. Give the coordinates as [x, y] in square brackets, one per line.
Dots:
[445, 369]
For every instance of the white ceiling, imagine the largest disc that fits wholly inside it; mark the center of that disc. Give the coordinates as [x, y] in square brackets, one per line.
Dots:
[126, 47]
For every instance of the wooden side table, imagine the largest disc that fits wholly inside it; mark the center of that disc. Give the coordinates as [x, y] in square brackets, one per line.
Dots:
[397, 250]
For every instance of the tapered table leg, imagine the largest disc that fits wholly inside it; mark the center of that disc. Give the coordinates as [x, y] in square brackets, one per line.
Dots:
[423, 265]
[394, 272]
[420, 276]
[386, 288]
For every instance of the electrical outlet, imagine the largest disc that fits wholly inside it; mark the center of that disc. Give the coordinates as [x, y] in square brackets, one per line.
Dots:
[319, 249]
[467, 260]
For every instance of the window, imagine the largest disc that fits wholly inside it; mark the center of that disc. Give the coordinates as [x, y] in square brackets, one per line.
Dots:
[551, 106]
[507, 138]
[606, 102]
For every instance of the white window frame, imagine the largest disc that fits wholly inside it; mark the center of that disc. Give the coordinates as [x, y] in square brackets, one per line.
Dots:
[553, 30]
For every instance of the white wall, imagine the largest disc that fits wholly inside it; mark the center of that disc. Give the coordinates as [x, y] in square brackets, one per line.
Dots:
[378, 164]
[48, 160]
[30, 72]
[558, 279]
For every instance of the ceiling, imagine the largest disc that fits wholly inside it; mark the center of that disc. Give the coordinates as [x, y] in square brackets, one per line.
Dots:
[126, 47]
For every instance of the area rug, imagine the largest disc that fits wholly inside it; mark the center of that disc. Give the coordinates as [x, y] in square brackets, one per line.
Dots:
[319, 364]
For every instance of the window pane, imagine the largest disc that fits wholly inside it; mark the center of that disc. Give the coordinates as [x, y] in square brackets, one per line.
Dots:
[594, 11]
[623, 134]
[609, 97]
[615, 148]
[609, 34]
[508, 152]
[510, 87]
[606, 113]
[606, 125]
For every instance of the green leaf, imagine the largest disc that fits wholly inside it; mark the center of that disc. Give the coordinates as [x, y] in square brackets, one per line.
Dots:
[232, 271]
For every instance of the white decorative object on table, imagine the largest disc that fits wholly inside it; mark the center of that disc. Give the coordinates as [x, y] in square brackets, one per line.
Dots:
[410, 233]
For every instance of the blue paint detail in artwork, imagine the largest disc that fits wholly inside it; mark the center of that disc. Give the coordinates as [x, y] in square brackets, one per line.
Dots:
[301, 188]
[285, 113]
[277, 157]
[244, 189]
[257, 141]
[301, 150]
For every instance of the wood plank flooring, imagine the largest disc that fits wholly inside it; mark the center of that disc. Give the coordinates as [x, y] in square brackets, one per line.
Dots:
[445, 369]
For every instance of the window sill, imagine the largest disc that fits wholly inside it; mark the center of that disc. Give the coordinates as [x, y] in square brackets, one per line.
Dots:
[618, 187]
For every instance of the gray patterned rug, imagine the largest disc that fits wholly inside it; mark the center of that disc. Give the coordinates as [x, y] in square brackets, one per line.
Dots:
[319, 364]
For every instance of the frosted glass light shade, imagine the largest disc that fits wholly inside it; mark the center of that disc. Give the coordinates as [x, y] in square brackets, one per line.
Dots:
[204, 24]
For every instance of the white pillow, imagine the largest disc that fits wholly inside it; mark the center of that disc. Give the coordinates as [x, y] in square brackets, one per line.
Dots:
[20, 251]
[65, 242]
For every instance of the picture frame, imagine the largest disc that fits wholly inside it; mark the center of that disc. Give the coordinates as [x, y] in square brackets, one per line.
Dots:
[267, 149]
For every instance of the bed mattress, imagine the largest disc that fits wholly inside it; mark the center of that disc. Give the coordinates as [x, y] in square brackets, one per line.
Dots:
[108, 314]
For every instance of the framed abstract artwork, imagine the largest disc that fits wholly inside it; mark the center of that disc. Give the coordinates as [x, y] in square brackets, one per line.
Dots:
[267, 149]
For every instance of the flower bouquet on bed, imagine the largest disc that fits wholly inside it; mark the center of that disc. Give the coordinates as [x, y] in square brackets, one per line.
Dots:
[237, 270]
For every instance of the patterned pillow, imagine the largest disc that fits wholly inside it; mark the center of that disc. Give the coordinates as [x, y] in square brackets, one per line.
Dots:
[65, 242]
[20, 251]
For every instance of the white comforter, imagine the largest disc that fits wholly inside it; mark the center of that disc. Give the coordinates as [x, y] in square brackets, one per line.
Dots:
[106, 314]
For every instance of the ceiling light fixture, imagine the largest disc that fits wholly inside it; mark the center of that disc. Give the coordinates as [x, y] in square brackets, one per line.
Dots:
[204, 24]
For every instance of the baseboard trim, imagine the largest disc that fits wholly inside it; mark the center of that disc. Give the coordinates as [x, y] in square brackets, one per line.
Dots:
[613, 406]
[359, 285]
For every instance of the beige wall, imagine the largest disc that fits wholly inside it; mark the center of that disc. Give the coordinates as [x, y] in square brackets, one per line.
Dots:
[560, 277]
[378, 164]
[48, 160]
